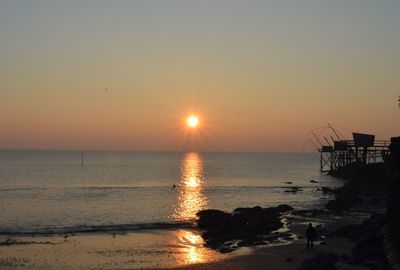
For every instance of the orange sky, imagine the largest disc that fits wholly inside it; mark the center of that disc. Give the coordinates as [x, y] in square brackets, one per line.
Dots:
[260, 75]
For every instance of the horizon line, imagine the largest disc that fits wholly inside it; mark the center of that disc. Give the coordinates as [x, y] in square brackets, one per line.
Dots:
[172, 151]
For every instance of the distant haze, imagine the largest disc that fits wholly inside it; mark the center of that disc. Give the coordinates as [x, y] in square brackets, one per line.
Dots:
[122, 75]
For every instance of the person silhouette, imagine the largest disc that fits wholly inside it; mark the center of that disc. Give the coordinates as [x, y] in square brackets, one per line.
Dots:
[310, 234]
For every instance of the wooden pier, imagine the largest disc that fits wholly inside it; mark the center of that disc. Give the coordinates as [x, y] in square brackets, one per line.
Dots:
[363, 149]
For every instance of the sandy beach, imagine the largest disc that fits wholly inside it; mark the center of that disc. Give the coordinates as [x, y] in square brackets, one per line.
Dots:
[148, 249]
[179, 249]
[284, 257]
[121, 252]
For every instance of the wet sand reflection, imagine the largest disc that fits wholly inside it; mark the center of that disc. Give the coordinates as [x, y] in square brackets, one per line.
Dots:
[193, 251]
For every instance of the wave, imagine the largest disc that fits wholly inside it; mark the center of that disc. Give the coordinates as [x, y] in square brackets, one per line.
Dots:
[114, 228]
[153, 187]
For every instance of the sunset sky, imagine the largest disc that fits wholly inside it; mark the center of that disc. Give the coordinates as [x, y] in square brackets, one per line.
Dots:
[124, 75]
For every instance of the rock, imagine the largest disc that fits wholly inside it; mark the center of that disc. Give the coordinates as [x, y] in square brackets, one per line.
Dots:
[248, 210]
[327, 190]
[256, 241]
[211, 218]
[375, 200]
[312, 213]
[342, 202]
[226, 250]
[251, 226]
[319, 262]
[344, 258]
[284, 208]
[370, 240]
[289, 183]
[293, 189]
[350, 231]
[365, 254]
[313, 181]
[368, 249]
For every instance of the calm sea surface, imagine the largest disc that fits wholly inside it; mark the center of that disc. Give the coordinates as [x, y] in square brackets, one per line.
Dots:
[43, 191]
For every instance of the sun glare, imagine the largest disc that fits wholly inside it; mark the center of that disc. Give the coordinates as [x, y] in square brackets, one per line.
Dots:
[192, 121]
[192, 182]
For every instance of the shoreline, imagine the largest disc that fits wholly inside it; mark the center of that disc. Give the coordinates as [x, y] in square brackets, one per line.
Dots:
[289, 256]
[331, 222]
[184, 248]
[109, 250]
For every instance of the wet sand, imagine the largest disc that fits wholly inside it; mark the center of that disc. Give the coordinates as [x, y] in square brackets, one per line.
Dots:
[107, 252]
[284, 257]
[148, 249]
[100, 252]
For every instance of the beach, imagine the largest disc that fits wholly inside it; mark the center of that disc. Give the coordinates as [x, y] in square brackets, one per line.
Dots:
[101, 252]
[104, 251]
[132, 250]
[109, 251]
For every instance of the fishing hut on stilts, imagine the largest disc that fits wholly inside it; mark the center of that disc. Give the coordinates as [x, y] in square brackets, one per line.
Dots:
[363, 149]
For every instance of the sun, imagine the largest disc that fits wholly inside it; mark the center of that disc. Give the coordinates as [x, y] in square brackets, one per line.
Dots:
[192, 121]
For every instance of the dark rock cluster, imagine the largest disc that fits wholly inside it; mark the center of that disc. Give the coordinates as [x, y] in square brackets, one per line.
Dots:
[345, 198]
[293, 190]
[319, 262]
[393, 212]
[368, 250]
[246, 226]
[369, 187]
[357, 172]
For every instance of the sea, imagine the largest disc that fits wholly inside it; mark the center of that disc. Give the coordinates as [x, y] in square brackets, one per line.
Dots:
[70, 192]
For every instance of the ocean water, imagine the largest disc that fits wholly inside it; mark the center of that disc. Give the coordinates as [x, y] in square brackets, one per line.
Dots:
[50, 191]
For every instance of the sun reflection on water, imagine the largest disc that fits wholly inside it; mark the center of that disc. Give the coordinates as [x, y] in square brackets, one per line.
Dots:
[191, 198]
